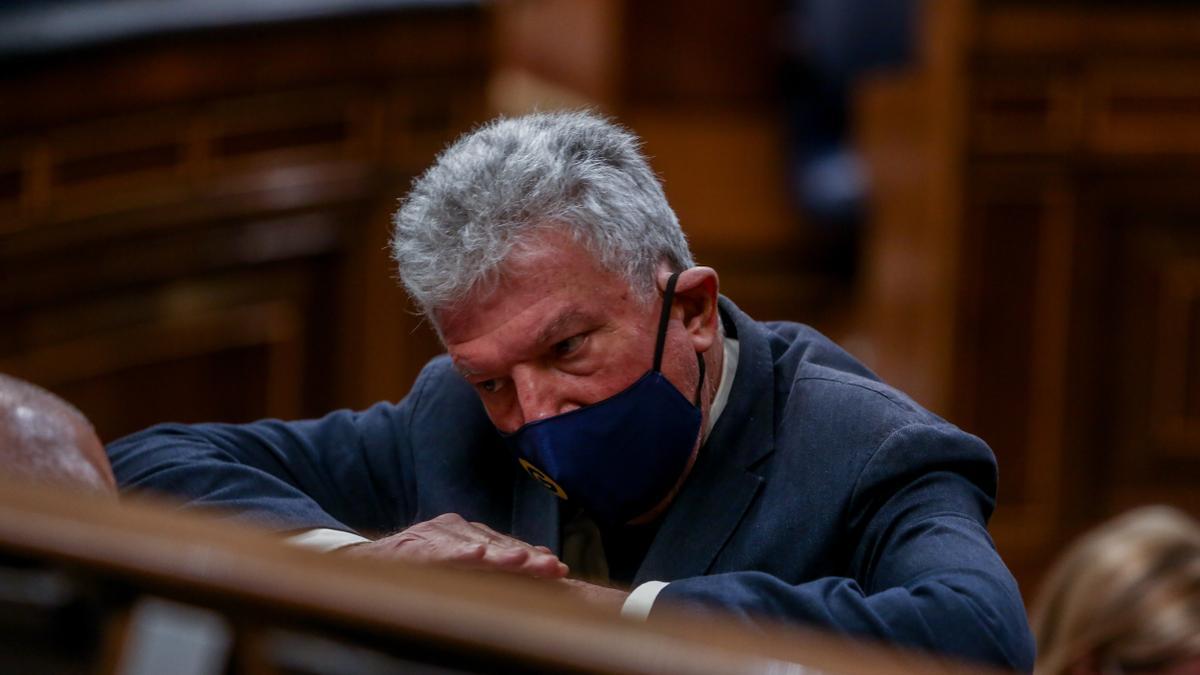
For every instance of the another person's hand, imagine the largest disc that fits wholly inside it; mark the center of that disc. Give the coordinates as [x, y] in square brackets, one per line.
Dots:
[450, 540]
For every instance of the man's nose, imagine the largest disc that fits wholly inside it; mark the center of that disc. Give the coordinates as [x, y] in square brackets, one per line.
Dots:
[538, 397]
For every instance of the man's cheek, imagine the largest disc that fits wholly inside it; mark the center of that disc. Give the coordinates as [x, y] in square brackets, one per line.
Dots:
[500, 413]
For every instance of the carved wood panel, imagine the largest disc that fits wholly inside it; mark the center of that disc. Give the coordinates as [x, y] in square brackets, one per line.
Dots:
[1013, 340]
[208, 240]
[1067, 138]
[1155, 401]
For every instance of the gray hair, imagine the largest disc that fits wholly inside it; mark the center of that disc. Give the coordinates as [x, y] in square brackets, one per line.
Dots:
[511, 177]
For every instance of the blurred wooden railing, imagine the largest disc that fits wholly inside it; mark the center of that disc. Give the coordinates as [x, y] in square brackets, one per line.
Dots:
[94, 586]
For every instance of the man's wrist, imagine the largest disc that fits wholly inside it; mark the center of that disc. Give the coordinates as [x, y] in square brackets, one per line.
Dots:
[641, 600]
[325, 539]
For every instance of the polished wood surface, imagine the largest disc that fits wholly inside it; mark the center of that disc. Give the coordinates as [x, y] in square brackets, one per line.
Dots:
[407, 616]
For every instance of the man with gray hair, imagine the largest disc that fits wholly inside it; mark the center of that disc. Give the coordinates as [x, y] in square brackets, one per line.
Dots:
[601, 405]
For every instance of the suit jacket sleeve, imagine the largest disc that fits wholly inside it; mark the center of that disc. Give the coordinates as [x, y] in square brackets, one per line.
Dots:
[348, 471]
[923, 571]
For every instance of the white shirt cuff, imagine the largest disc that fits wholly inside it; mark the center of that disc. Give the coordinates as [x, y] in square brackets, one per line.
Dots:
[325, 540]
[638, 603]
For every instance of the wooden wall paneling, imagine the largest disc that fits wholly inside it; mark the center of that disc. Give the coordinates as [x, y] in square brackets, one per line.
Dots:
[1086, 430]
[12, 187]
[1155, 399]
[552, 53]
[112, 164]
[912, 128]
[622, 55]
[1052, 30]
[1175, 420]
[124, 152]
[86, 268]
[283, 129]
[1073, 304]
[722, 172]
[1015, 342]
[287, 381]
[423, 115]
[448, 41]
[35, 183]
[1026, 108]
[230, 347]
[392, 342]
[1144, 106]
[387, 343]
[207, 240]
[700, 53]
[699, 83]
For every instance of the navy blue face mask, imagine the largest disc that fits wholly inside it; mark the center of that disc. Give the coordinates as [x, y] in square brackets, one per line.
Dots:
[617, 458]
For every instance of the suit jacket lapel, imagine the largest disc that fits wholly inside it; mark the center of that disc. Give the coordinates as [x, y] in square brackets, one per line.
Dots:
[723, 482]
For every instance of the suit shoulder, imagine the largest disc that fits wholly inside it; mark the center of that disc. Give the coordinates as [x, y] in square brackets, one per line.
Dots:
[833, 416]
[442, 398]
[815, 373]
[439, 380]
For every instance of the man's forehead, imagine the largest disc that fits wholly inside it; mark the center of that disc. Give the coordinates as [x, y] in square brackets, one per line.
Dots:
[479, 316]
[550, 281]
[535, 299]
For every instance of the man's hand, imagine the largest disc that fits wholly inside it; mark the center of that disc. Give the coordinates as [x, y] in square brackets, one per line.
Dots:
[600, 596]
[451, 540]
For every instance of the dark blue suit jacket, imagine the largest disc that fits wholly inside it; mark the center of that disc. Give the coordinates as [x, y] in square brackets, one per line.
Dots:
[822, 496]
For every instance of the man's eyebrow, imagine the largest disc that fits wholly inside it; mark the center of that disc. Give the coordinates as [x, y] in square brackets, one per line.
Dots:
[553, 329]
[550, 332]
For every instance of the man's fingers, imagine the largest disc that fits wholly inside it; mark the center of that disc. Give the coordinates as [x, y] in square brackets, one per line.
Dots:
[450, 539]
[495, 538]
[537, 560]
[548, 567]
[467, 552]
[527, 560]
[508, 557]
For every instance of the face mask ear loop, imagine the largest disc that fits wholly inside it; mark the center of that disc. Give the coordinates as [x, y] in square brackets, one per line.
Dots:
[668, 296]
[700, 384]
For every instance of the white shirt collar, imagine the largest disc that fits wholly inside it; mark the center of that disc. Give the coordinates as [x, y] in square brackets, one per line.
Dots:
[728, 368]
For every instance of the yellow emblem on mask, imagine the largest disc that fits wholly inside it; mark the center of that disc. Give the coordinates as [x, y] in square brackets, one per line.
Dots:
[541, 477]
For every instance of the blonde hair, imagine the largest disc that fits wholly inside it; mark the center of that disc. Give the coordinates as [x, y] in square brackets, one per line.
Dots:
[1126, 594]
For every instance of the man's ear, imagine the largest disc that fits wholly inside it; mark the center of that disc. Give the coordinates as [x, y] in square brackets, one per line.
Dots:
[695, 304]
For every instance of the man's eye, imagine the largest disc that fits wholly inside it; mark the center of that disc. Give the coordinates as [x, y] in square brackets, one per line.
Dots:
[569, 345]
[490, 386]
